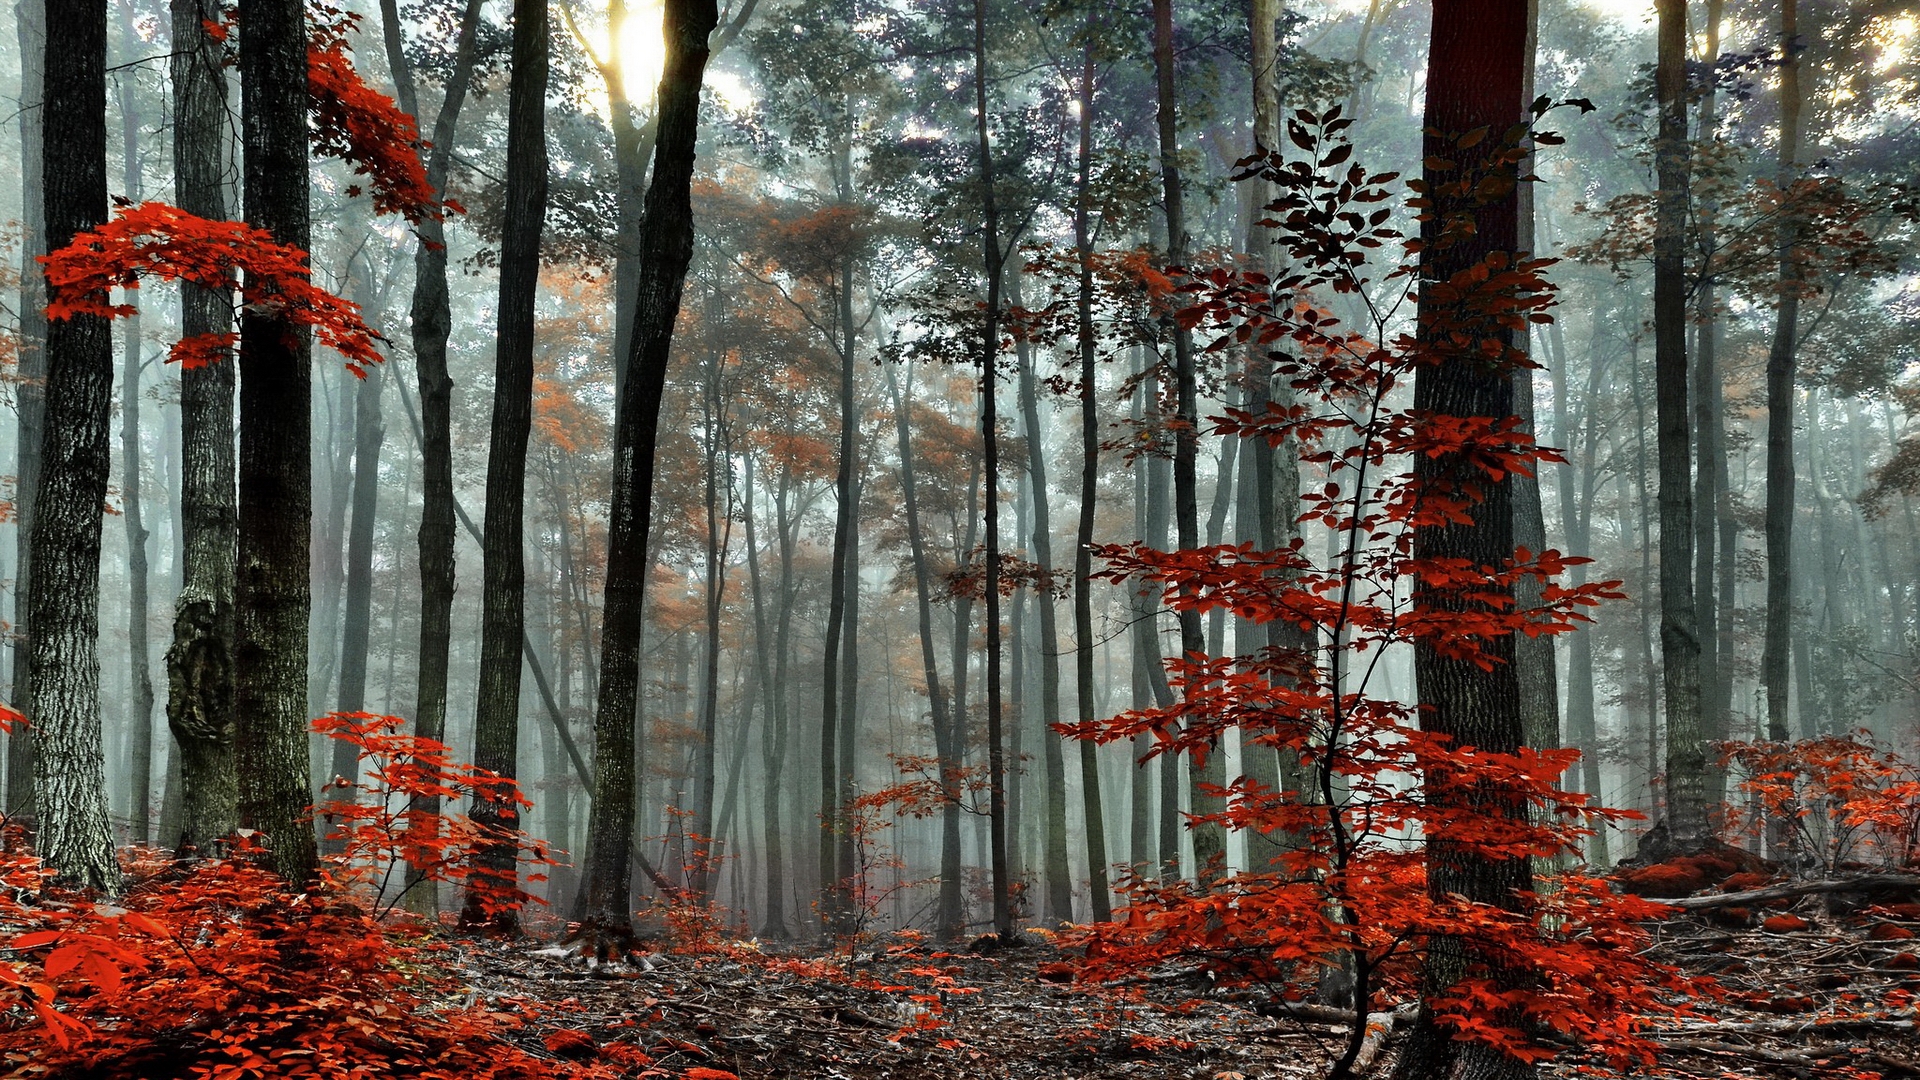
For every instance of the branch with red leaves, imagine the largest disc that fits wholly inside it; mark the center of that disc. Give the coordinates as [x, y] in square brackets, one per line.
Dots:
[154, 240]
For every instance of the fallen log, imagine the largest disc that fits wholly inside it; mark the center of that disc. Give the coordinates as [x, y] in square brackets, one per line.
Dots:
[1863, 883]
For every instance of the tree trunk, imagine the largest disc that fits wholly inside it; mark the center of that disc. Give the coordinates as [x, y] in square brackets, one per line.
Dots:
[719, 501]
[200, 660]
[1774, 664]
[63, 604]
[1058, 881]
[1475, 78]
[272, 596]
[31, 403]
[666, 247]
[989, 359]
[432, 325]
[496, 720]
[369, 432]
[1679, 635]
[1709, 451]
[1086, 346]
[140, 670]
[1206, 770]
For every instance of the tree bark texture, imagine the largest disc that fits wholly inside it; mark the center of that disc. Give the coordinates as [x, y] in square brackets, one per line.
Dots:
[272, 593]
[200, 659]
[63, 601]
[1475, 78]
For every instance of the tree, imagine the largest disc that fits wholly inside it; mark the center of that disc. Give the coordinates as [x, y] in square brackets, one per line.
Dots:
[1679, 634]
[1774, 663]
[272, 594]
[431, 325]
[666, 248]
[30, 22]
[1469, 234]
[63, 599]
[503, 619]
[1208, 770]
[200, 659]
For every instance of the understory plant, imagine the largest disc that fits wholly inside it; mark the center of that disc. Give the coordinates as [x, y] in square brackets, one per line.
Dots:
[1343, 793]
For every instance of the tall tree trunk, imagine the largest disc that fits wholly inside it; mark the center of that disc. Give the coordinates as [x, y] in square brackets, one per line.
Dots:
[833, 861]
[140, 671]
[989, 359]
[272, 595]
[1475, 75]
[356, 637]
[31, 403]
[432, 325]
[1709, 450]
[1538, 673]
[63, 604]
[1059, 882]
[1085, 345]
[771, 673]
[1679, 635]
[1774, 664]
[719, 503]
[496, 721]
[1576, 491]
[1208, 770]
[666, 247]
[200, 660]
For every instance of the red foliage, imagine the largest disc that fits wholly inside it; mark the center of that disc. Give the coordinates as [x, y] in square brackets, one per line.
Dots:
[384, 832]
[363, 127]
[1785, 924]
[1348, 889]
[1664, 880]
[154, 240]
[1831, 800]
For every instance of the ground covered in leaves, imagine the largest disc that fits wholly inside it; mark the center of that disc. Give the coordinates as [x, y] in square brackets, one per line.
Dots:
[1818, 986]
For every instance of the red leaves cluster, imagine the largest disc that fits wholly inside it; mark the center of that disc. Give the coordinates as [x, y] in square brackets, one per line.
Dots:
[1833, 800]
[363, 127]
[154, 240]
[385, 832]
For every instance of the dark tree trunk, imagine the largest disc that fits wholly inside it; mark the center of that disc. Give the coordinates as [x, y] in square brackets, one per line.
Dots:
[496, 721]
[272, 595]
[200, 660]
[1774, 664]
[1679, 635]
[719, 502]
[1209, 840]
[1475, 79]
[1716, 683]
[989, 359]
[1059, 882]
[356, 636]
[948, 917]
[666, 247]
[63, 601]
[432, 324]
[31, 400]
[140, 701]
[1086, 347]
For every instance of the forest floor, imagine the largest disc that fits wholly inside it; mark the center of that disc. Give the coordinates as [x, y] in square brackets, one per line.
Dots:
[1831, 999]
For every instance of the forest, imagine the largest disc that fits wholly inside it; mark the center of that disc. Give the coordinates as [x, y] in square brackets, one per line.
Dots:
[906, 538]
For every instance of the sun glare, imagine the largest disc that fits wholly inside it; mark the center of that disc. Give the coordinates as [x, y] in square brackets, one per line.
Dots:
[641, 50]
